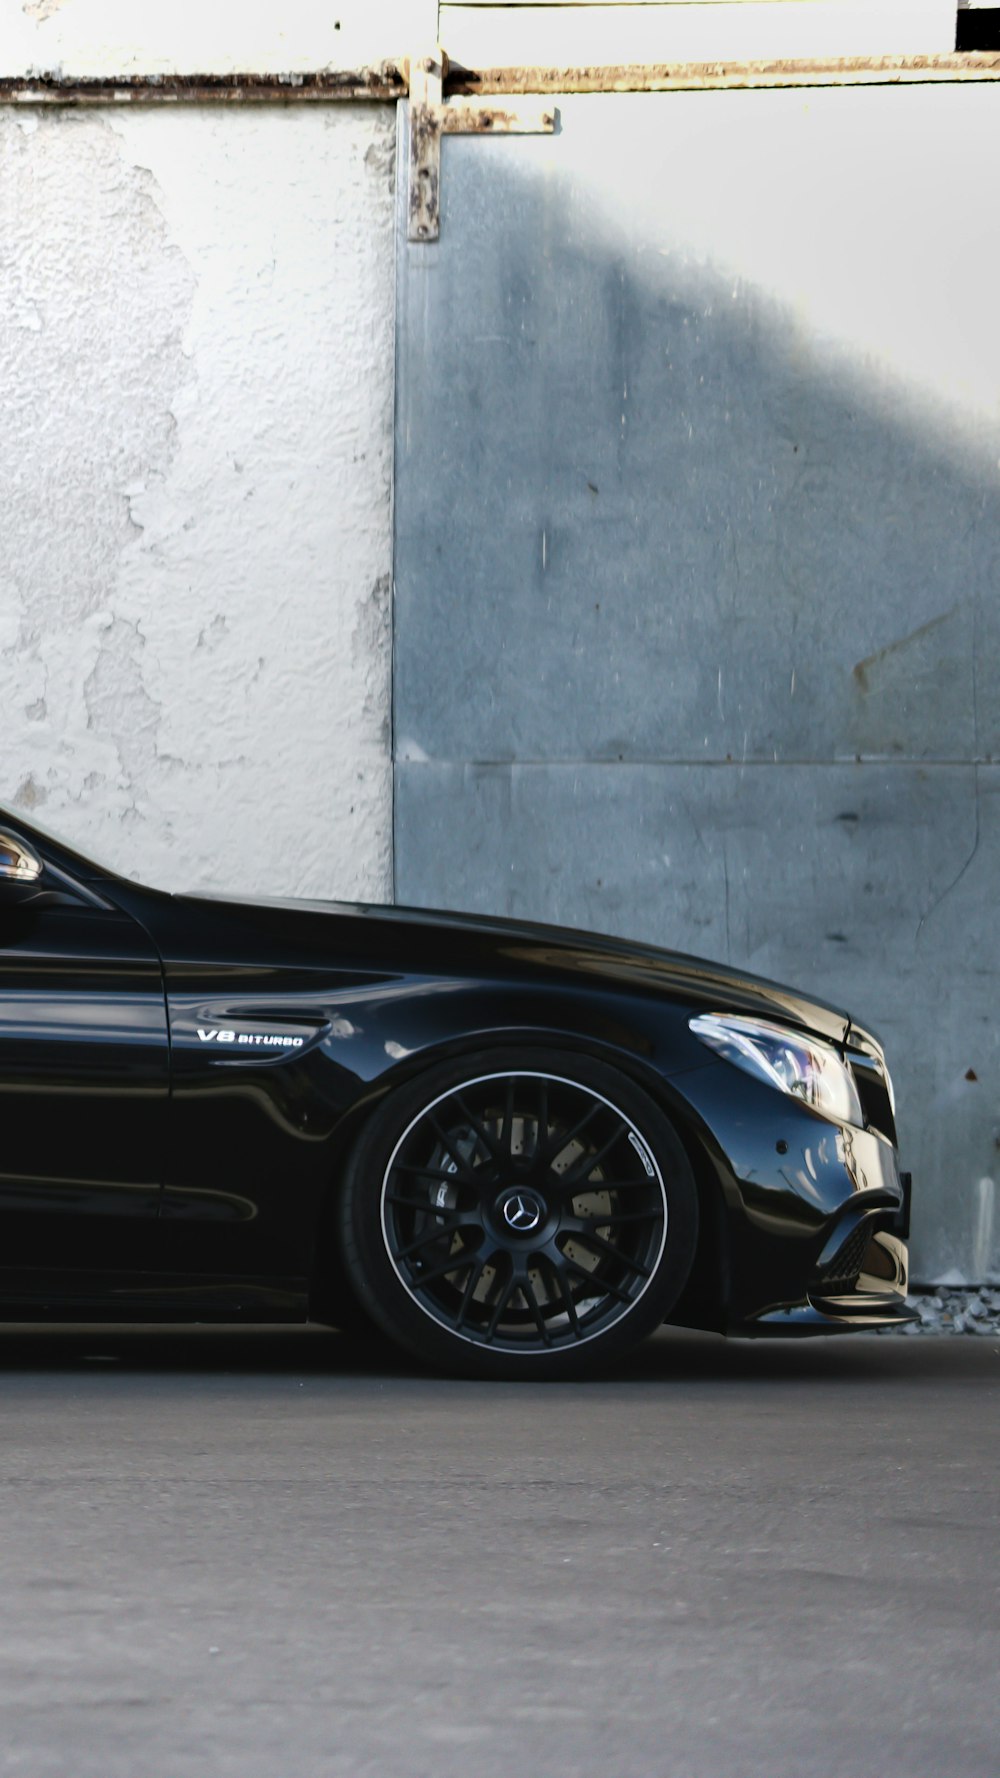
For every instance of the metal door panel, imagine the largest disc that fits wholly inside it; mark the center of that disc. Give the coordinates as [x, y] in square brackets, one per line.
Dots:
[697, 522]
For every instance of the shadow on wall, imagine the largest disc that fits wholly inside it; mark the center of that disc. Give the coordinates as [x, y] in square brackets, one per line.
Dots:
[697, 533]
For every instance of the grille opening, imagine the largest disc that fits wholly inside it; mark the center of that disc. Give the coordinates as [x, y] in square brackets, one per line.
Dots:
[844, 1267]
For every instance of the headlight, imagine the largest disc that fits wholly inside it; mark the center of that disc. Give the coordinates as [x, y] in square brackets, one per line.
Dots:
[802, 1066]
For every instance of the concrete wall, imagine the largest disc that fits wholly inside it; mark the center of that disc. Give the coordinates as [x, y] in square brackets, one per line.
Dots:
[195, 466]
[698, 533]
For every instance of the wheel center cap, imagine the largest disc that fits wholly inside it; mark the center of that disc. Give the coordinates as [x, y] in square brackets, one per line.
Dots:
[522, 1212]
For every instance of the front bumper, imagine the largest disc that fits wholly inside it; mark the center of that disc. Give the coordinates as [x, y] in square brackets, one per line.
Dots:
[814, 1214]
[875, 1299]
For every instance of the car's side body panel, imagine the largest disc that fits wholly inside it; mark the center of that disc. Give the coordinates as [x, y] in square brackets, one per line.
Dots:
[84, 1072]
[285, 1026]
[281, 1040]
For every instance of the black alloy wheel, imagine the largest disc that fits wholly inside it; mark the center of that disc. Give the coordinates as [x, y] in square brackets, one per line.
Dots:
[527, 1216]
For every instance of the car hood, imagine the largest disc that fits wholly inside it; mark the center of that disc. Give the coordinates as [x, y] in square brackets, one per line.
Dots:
[430, 940]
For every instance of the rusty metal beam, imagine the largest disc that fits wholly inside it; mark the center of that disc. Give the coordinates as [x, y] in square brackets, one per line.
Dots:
[706, 76]
[425, 148]
[497, 120]
[390, 80]
[431, 118]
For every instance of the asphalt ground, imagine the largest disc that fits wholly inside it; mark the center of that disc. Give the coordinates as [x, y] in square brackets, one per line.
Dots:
[263, 1554]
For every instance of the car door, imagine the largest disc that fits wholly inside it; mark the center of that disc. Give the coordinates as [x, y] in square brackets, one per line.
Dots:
[84, 1084]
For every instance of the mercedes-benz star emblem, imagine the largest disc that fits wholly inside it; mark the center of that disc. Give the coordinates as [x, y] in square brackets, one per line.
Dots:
[522, 1213]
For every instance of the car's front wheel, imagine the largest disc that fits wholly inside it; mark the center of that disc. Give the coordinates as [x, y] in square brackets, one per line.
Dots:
[513, 1215]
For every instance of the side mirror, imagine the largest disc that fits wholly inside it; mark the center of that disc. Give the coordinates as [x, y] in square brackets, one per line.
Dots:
[20, 869]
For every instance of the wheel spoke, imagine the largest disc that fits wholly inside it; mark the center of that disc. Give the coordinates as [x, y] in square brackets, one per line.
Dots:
[425, 1239]
[456, 1262]
[528, 1293]
[471, 1286]
[444, 1173]
[564, 1138]
[604, 1218]
[489, 1141]
[601, 1286]
[584, 1168]
[449, 1142]
[616, 1185]
[426, 1203]
[565, 1295]
[507, 1128]
[615, 1253]
[542, 1126]
[498, 1308]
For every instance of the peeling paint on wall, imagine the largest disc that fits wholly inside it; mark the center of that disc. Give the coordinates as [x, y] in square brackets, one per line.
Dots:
[41, 10]
[196, 363]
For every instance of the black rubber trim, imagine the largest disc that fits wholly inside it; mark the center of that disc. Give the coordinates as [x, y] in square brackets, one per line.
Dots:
[900, 1223]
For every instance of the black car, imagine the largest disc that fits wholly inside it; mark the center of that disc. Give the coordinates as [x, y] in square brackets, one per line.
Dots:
[513, 1149]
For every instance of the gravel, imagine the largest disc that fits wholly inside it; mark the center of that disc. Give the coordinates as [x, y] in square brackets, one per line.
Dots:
[954, 1310]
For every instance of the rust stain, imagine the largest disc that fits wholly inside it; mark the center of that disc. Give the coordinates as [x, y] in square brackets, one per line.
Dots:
[425, 149]
[481, 120]
[688, 76]
[387, 81]
[390, 80]
[425, 162]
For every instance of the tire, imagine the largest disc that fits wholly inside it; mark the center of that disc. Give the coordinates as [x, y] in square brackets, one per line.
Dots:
[519, 1214]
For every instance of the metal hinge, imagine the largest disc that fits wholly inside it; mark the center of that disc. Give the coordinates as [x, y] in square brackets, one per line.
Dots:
[432, 116]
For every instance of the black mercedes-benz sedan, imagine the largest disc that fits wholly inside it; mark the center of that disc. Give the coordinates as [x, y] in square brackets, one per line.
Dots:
[515, 1150]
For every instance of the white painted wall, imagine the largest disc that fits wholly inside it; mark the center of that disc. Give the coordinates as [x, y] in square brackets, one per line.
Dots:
[114, 37]
[195, 458]
[483, 33]
[91, 37]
